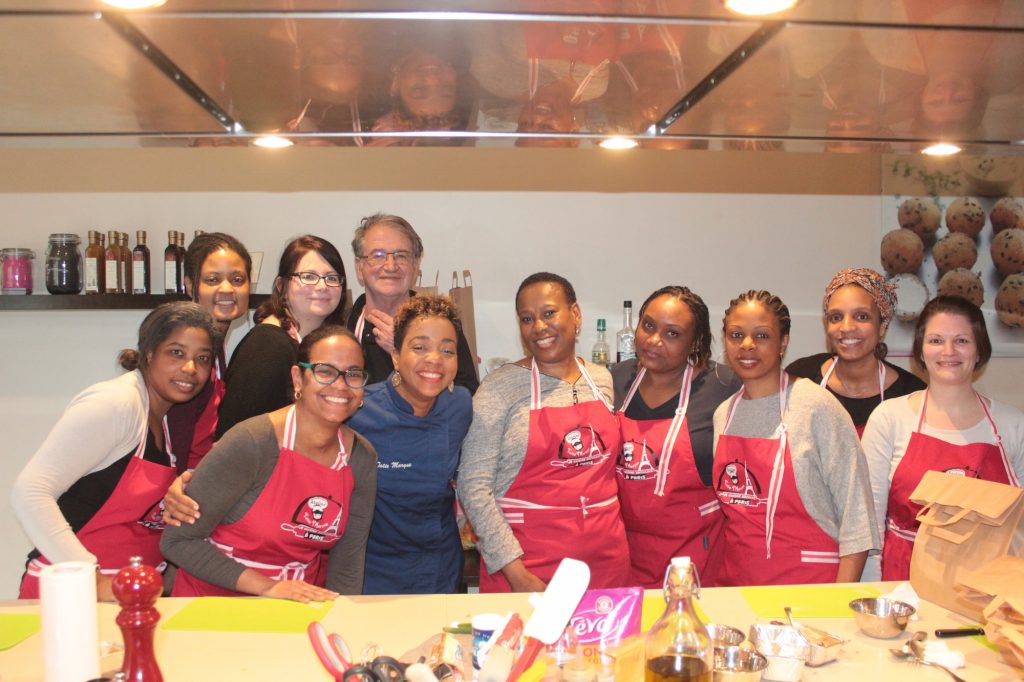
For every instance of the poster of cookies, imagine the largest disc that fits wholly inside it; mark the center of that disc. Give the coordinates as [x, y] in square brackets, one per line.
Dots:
[955, 226]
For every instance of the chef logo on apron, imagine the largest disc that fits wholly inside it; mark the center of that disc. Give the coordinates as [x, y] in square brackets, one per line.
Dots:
[154, 516]
[580, 447]
[637, 461]
[963, 471]
[739, 486]
[317, 518]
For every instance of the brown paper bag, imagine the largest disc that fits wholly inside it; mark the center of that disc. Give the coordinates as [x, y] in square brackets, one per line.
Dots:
[1003, 577]
[965, 524]
[462, 297]
[426, 290]
[1005, 630]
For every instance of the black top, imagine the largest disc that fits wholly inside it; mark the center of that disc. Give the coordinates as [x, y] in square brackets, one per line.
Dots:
[379, 363]
[87, 495]
[259, 378]
[859, 408]
[709, 389]
[182, 418]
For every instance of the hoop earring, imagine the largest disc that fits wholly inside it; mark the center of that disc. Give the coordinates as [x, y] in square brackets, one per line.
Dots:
[451, 387]
[396, 379]
[361, 403]
[298, 395]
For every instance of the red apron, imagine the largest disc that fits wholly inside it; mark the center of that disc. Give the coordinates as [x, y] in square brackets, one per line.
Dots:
[206, 425]
[563, 501]
[881, 387]
[301, 513]
[779, 544]
[659, 485]
[131, 520]
[987, 461]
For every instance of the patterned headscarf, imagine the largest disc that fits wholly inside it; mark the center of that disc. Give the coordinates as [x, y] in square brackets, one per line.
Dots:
[883, 293]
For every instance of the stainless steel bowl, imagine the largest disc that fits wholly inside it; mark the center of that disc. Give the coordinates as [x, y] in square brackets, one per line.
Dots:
[738, 664]
[880, 617]
[724, 635]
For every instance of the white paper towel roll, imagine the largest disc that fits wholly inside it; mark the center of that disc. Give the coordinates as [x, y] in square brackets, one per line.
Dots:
[71, 649]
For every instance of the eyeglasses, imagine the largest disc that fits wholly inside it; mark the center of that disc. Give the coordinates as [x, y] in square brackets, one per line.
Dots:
[355, 377]
[311, 279]
[380, 257]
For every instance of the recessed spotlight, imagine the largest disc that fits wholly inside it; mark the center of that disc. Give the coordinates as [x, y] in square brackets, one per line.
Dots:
[758, 8]
[941, 149]
[618, 143]
[134, 4]
[272, 142]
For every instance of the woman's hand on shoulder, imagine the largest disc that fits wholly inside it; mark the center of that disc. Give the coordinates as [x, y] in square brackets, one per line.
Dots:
[178, 507]
[298, 590]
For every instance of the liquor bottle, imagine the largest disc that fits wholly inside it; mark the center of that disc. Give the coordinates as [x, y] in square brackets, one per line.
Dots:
[624, 349]
[599, 353]
[126, 262]
[678, 647]
[95, 265]
[115, 275]
[140, 265]
[181, 262]
[171, 263]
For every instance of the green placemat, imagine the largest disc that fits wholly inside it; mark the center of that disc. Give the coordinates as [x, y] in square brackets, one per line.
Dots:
[15, 628]
[983, 640]
[807, 601]
[239, 614]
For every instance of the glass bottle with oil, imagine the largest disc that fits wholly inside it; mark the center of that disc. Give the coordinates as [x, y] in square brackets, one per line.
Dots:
[678, 648]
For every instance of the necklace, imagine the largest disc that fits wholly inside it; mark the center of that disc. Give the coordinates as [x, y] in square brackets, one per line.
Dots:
[850, 392]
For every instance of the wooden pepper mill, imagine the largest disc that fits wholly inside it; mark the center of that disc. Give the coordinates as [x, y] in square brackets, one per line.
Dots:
[137, 588]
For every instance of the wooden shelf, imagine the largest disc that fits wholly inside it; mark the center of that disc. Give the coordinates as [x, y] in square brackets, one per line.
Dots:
[100, 301]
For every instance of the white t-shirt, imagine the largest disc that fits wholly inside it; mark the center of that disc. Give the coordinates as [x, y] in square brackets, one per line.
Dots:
[889, 429]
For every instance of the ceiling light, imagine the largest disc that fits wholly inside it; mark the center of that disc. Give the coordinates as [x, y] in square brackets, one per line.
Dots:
[941, 149]
[618, 143]
[272, 142]
[758, 8]
[134, 4]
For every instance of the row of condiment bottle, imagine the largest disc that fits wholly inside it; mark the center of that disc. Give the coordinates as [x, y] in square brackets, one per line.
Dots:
[109, 266]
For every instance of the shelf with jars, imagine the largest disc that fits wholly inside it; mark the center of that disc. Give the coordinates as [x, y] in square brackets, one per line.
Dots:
[100, 301]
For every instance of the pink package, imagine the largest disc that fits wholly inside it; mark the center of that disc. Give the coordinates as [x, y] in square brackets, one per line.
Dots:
[606, 617]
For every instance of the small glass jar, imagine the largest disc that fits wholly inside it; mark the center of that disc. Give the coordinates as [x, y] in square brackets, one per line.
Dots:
[64, 264]
[17, 271]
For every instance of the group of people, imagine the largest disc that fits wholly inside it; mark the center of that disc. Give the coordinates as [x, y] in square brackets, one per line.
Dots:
[326, 458]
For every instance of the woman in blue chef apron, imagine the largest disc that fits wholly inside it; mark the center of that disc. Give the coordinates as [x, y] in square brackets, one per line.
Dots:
[416, 420]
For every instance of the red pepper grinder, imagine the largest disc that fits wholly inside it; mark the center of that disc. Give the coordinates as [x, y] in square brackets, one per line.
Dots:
[137, 588]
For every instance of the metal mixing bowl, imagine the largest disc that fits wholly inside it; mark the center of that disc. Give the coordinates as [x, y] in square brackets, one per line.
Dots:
[737, 664]
[724, 635]
[880, 617]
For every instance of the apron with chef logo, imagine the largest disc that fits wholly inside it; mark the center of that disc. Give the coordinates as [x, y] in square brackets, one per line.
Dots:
[131, 520]
[206, 424]
[769, 537]
[563, 501]
[881, 387]
[987, 461]
[656, 485]
[300, 514]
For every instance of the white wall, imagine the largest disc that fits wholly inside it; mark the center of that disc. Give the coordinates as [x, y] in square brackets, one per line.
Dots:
[611, 246]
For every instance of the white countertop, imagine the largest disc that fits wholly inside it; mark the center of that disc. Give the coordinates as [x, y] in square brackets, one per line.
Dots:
[402, 623]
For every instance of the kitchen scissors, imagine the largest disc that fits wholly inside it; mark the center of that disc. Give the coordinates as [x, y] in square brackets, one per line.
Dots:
[332, 650]
[380, 669]
[335, 656]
